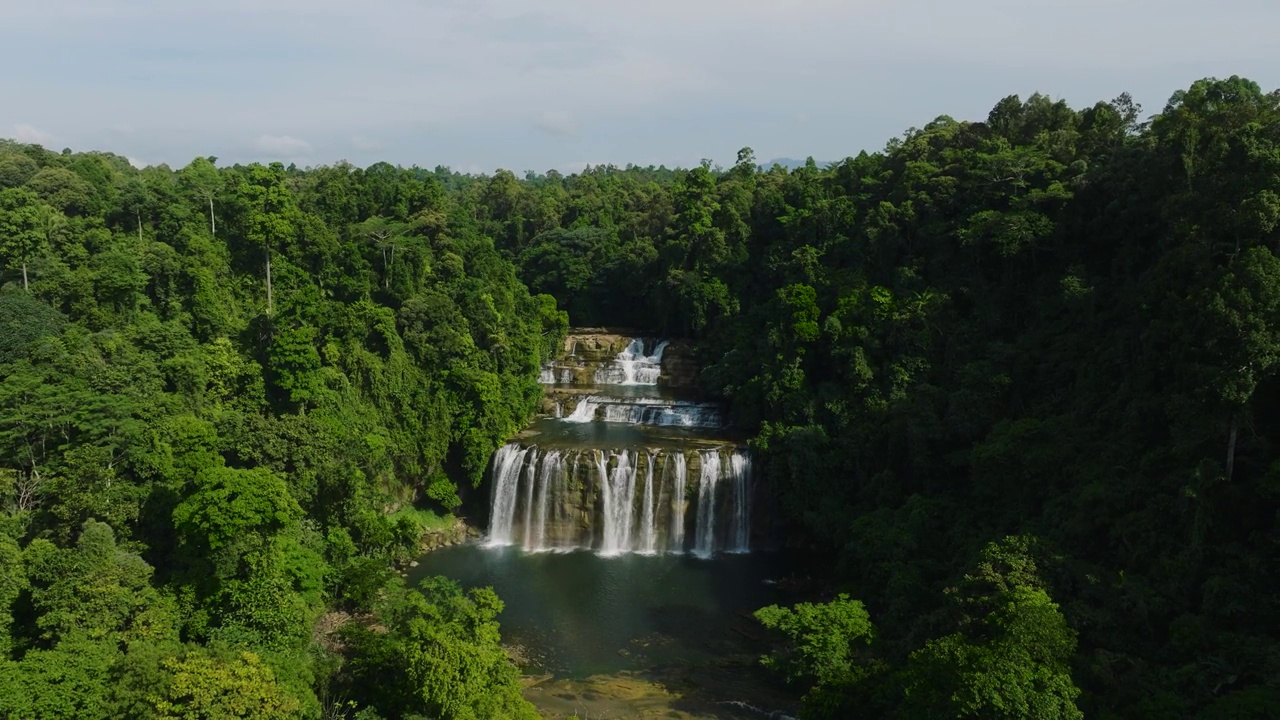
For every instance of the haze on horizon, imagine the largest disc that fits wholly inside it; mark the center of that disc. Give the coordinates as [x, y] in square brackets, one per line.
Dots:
[488, 84]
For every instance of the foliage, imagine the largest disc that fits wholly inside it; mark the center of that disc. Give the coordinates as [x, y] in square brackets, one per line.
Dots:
[438, 657]
[822, 637]
[233, 398]
[1059, 324]
[202, 688]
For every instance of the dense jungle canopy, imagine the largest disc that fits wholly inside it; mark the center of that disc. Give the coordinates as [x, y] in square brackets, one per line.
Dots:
[1017, 378]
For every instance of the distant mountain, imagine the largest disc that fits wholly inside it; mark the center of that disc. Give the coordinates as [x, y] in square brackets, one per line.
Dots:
[790, 163]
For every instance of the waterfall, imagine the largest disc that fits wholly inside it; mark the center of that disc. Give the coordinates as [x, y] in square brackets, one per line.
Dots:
[648, 532]
[704, 537]
[560, 495]
[530, 470]
[602, 483]
[632, 366]
[647, 411]
[618, 494]
[507, 463]
[542, 502]
[585, 412]
[535, 538]
[740, 471]
[678, 504]
[551, 375]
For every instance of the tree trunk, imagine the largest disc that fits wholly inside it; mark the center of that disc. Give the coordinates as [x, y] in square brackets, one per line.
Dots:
[139, 227]
[213, 227]
[24, 276]
[269, 306]
[1231, 447]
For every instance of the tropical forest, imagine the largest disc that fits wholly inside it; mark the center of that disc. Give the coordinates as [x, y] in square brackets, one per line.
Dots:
[982, 424]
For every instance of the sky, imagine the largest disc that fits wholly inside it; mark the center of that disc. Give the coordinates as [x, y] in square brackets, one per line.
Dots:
[559, 84]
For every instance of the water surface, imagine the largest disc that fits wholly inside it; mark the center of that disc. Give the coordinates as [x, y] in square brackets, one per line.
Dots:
[578, 614]
[553, 433]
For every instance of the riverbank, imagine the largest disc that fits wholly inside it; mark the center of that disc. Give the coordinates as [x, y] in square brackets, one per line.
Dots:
[456, 533]
[731, 690]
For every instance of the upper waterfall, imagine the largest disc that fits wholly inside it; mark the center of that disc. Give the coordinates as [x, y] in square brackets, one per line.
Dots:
[614, 360]
[633, 366]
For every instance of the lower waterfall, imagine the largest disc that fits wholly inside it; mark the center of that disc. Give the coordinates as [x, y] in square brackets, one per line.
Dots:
[621, 500]
[648, 531]
[707, 477]
[678, 503]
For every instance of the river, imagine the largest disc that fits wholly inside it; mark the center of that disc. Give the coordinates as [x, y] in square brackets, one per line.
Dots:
[630, 635]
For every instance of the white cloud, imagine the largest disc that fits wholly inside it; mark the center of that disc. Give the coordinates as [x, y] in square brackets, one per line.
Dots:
[662, 79]
[283, 146]
[139, 164]
[24, 133]
[557, 122]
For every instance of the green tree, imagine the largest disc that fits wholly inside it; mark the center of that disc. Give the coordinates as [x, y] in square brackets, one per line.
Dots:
[207, 688]
[13, 581]
[97, 591]
[16, 169]
[1011, 657]
[439, 658]
[20, 228]
[827, 653]
[271, 214]
[201, 179]
[229, 505]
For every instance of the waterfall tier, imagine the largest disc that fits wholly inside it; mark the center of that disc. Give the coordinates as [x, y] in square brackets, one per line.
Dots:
[635, 500]
[633, 366]
[595, 360]
[646, 411]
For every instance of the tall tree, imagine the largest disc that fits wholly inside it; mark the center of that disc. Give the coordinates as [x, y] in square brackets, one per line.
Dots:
[20, 229]
[201, 179]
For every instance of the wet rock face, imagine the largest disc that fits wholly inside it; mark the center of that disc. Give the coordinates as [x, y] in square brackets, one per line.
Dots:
[595, 348]
[585, 350]
[455, 534]
[679, 369]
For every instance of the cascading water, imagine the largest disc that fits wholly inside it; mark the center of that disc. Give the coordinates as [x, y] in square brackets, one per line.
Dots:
[507, 464]
[535, 535]
[704, 536]
[530, 469]
[659, 412]
[633, 366]
[635, 496]
[678, 504]
[648, 530]
[584, 412]
[621, 501]
[618, 494]
[740, 473]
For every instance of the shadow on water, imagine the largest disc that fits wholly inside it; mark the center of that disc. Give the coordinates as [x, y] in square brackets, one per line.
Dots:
[631, 636]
